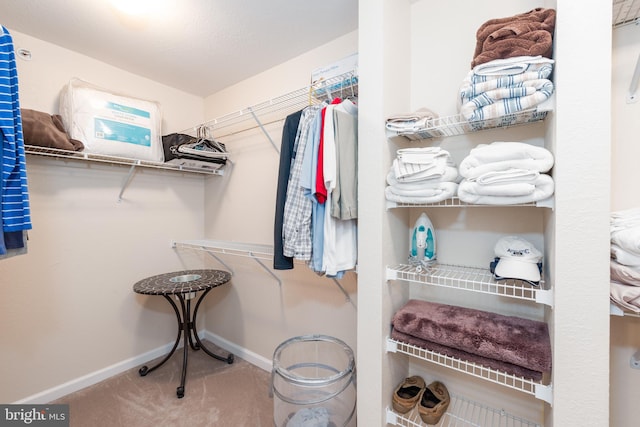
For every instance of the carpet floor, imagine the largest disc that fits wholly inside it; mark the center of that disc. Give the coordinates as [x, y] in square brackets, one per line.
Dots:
[217, 394]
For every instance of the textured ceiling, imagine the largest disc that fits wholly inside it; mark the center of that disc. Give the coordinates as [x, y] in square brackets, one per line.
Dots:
[198, 46]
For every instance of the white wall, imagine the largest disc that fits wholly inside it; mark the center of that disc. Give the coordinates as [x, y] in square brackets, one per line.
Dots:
[255, 312]
[67, 308]
[625, 331]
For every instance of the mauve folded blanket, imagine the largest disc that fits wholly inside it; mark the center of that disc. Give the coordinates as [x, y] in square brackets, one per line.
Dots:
[510, 339]
[496, 365]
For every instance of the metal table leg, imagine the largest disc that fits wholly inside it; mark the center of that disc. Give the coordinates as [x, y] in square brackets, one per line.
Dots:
[186, 331]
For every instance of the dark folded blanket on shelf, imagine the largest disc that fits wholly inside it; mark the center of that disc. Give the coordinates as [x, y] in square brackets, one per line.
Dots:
[511, 344]
[525, 34]
[46, 130]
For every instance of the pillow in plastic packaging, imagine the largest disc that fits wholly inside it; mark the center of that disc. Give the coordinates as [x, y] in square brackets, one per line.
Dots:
[112, 124]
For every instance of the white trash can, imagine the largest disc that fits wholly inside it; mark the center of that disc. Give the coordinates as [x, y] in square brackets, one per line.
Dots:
[313, 382]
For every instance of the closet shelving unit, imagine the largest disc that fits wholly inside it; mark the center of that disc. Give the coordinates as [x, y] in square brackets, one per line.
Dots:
[457, 125]
[469, 279]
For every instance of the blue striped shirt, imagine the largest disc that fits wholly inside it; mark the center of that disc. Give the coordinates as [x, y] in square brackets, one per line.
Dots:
[14, 200]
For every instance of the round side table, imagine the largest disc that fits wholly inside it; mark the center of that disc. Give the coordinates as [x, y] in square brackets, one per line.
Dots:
[184, 285]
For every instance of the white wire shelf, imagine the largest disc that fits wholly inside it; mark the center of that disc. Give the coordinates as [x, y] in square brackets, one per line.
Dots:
[625, 12]
[470, 279]
[257, 252]
[276, 109]
[528, 386]
[455, 202]
[458, 125]
[250, 250]
[462, 412]
[102, 158]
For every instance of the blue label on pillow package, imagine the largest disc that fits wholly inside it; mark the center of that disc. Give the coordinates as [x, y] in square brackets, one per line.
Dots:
[122, 123]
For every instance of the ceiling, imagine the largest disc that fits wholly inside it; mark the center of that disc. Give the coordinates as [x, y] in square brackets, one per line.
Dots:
[198, 46]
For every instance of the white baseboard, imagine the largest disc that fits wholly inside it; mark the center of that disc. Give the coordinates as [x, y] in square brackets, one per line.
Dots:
[62, 390]
[251, 357]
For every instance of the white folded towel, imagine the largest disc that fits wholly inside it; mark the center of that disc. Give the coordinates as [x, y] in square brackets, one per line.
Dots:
[625, 296]
[450, 174]
[512, 66]
[628, 239]
[421, 155]
[625, 218]
[624, 257]
[429, 190]
[500, 156]
[412, 121]
[408, 172]
[507, 176]
[624, 274]
[446, 191]
[512, 193]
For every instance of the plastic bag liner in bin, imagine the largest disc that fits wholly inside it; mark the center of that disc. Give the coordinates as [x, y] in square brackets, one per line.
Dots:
[313, 383]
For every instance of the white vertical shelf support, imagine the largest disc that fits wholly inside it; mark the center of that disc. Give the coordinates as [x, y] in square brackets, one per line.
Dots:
[217, 258]
[633, 86]
[267, 269]
[255, 117]
[127, 180]
[346, 295]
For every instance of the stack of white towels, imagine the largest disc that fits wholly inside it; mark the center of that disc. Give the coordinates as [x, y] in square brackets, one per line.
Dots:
[506, 173]
[625, 259]
[421, 175]
[505, 86]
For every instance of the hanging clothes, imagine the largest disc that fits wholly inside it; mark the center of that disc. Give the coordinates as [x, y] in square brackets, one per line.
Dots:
[289, 131]
[296, 227]
[340, 236]
[14, 203]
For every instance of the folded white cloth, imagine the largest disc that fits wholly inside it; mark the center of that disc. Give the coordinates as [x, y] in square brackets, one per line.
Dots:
[625, 274]
[624, 257]
[625, 219]
[421, 155]
[512, 66]
[509, 176]
[450, 174]
[429, 190]
[500, 156]
[628, 239]
[410, 122]
[445, 191]
[407, 172]
[497, 103]
[509, 193]
[625, 296]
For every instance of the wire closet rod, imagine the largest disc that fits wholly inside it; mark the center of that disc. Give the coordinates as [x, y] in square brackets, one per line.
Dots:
[277, 108]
